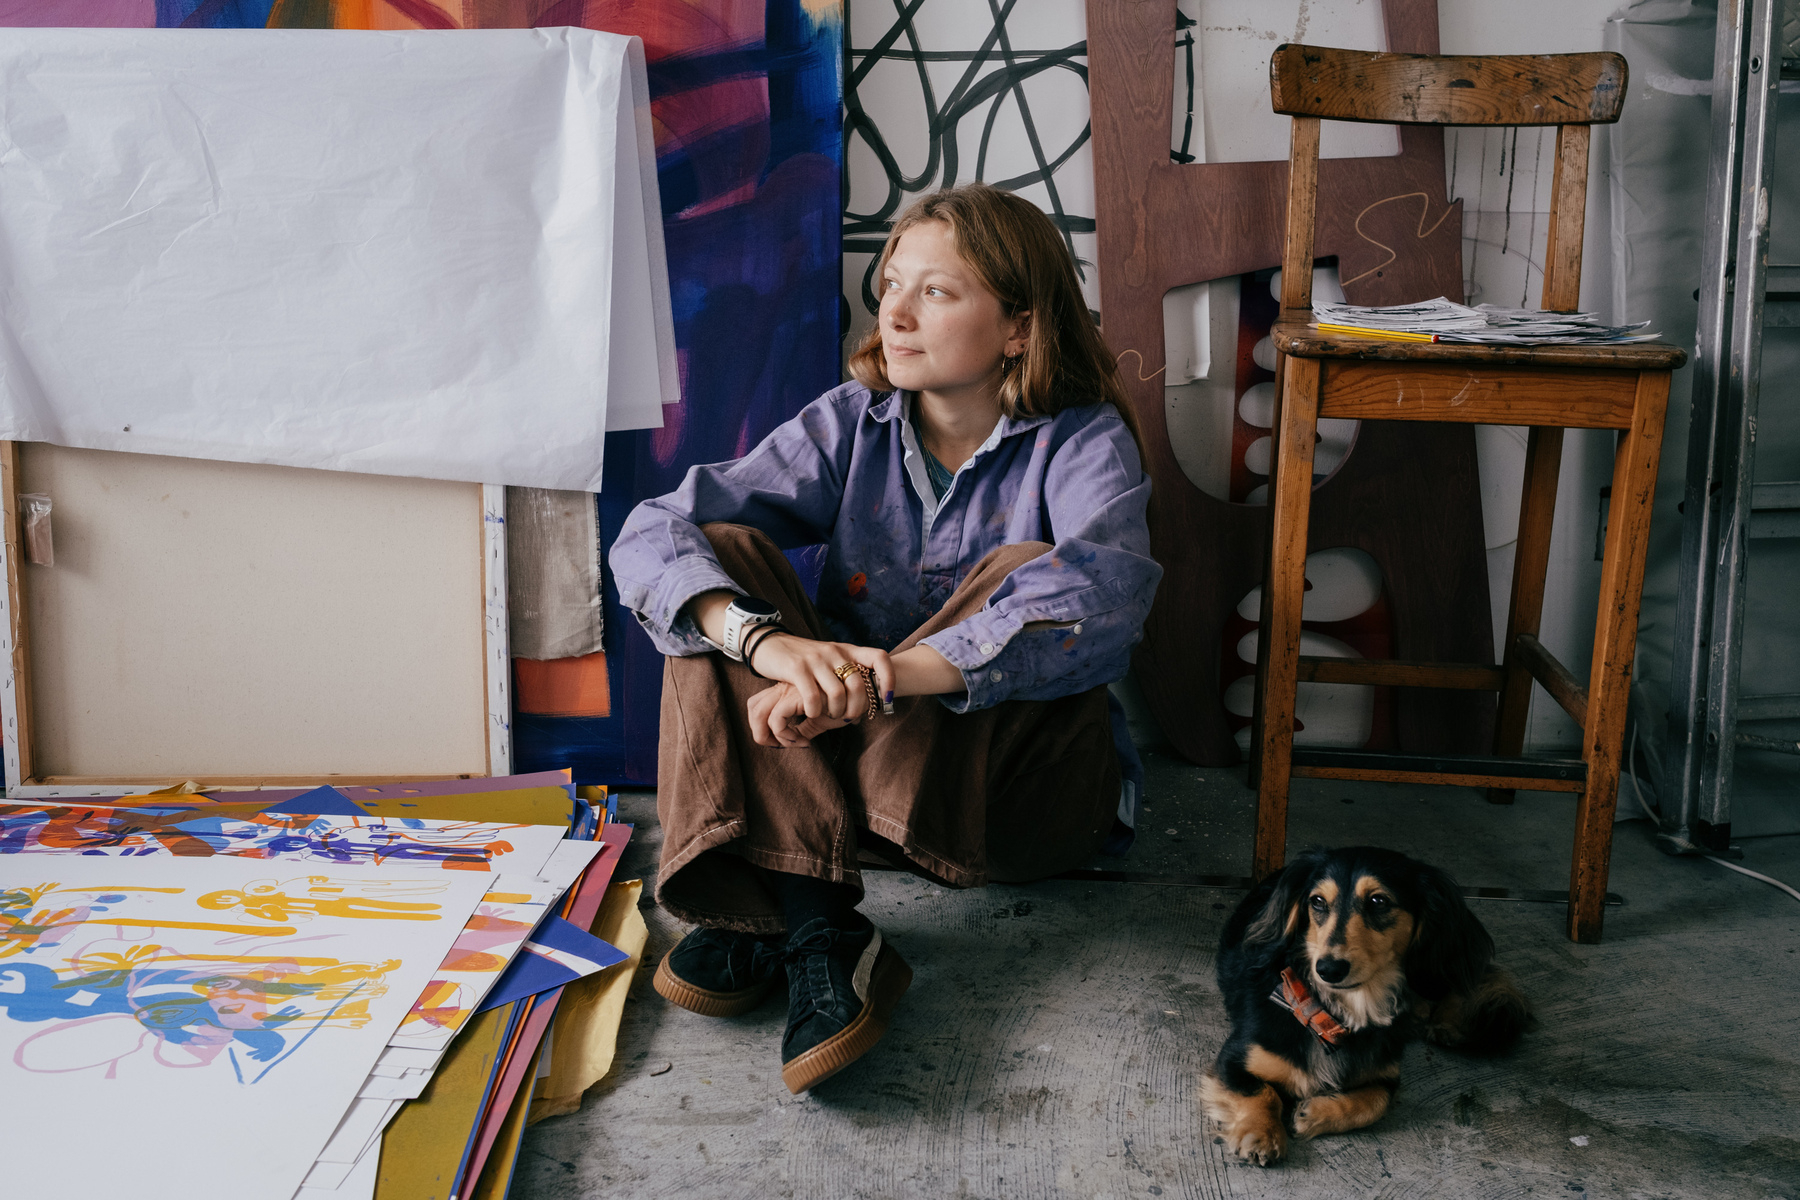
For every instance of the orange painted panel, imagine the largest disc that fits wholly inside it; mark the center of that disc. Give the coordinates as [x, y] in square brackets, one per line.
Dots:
[563, 687]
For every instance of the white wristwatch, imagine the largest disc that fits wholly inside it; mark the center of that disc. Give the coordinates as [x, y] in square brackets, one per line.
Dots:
[744, 614]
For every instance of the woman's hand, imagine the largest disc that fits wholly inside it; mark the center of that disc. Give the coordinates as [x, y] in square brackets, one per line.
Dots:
[812, 698]
[778, 720]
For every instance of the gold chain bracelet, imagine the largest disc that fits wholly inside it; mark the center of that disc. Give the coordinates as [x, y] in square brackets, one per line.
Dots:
[845, 670]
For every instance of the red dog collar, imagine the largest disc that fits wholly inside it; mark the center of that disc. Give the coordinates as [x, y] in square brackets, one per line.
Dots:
[1294, 996]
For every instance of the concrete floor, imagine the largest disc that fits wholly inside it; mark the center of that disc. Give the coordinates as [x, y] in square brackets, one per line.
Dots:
[1054, 1036]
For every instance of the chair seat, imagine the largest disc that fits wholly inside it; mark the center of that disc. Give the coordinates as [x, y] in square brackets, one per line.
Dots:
[1303, 339]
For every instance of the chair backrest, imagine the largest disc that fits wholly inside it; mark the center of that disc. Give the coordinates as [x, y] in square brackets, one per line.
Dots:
[1570, 91]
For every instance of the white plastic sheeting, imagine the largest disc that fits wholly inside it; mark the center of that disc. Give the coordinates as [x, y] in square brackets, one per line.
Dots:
[435, 254]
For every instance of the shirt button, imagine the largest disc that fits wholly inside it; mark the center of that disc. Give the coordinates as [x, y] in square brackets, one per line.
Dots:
[996, 676]
[987, 647]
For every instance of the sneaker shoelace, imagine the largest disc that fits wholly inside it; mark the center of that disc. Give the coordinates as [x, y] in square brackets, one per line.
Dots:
[812, 955]
[819, 941]
[764, 958]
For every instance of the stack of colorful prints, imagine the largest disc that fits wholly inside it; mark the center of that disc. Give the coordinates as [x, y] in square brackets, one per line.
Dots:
[500, 796]
[460, 1139]
[300, 972]
[174, 988]
[377, 841]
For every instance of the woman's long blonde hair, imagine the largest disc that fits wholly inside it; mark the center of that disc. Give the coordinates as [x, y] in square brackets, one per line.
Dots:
[1017, 254]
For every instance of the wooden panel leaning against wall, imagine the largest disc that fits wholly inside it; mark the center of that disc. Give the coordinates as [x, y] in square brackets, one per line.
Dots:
[1406, 495]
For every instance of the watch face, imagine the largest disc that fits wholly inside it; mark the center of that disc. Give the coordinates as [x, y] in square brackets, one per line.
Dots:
[750, 606]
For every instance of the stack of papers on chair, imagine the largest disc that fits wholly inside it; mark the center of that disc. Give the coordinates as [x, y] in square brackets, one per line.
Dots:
[1442, 320]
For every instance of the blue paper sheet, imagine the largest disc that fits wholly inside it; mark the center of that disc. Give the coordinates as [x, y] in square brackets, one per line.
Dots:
[557, 954]
[320, 802]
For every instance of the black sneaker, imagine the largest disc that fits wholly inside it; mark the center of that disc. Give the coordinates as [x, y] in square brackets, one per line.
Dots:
[719, 973]
[842, 987]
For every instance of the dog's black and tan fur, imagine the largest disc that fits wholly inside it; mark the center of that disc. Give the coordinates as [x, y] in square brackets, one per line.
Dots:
[1387, 945]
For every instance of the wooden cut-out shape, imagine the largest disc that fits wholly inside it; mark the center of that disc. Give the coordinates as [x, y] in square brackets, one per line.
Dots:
[1407, 495]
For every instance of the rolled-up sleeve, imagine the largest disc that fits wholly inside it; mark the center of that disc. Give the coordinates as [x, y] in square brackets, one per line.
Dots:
[1096, 584]
[789, 487]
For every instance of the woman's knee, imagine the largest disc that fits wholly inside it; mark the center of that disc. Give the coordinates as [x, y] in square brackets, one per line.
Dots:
[759, 567]
[738, 541]
[980, 582]
[1004, 560]
[750, 556]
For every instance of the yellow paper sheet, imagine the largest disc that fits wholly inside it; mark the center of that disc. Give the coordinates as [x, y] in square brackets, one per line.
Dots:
[587, 1020]
[423, 1147]
[497, 1173]
[526, 806]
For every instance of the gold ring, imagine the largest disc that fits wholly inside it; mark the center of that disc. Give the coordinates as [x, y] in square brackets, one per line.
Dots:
[846, 670]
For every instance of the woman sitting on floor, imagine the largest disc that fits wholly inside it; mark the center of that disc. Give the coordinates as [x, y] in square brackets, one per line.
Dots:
[943, 705]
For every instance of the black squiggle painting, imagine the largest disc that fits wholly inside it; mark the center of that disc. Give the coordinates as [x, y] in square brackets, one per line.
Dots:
[993, 74]
[996, 60]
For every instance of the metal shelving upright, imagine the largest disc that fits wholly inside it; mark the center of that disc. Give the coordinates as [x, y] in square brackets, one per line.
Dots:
[1723, 509]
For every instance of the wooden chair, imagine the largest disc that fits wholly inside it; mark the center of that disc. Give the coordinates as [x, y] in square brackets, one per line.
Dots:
[1550, 388]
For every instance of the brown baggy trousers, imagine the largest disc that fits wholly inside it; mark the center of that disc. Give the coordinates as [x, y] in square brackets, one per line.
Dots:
[1018, 791]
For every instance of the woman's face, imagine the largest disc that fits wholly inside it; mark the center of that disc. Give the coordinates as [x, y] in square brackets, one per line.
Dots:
[942, 331]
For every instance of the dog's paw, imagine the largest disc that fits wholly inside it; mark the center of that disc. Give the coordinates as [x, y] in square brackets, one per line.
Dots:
[1313, 1117]
[1258, 1144]
[1339, 1112]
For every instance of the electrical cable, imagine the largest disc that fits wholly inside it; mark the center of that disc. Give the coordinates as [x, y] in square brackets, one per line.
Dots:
[1731, 866]
[1631, 774]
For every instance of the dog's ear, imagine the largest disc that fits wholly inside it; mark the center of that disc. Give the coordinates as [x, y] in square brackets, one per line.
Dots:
[1451, 949]
[1270, 929]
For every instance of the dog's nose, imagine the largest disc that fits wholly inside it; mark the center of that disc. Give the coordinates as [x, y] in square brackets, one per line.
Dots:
[1332, 970]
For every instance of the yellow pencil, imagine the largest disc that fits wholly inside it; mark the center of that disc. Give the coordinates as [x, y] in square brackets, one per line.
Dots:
[1392, 335]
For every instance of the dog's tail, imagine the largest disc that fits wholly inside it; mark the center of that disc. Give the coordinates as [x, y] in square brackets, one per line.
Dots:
[1488, 1019]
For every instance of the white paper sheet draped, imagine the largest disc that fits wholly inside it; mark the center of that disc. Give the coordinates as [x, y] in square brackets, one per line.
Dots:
[435, 254]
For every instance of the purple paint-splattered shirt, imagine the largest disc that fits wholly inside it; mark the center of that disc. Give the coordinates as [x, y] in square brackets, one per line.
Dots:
[847, 471]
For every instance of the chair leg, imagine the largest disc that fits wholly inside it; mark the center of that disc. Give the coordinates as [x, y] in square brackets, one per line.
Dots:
[1253, 778]
[1278, 645]
[1254, 775]
[1531, 561]
[1615, 643]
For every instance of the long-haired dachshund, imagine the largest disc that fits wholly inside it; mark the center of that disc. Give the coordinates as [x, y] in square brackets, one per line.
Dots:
[1327, 970]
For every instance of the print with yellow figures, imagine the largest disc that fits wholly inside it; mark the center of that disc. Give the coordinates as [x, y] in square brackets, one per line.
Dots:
[155, 989]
